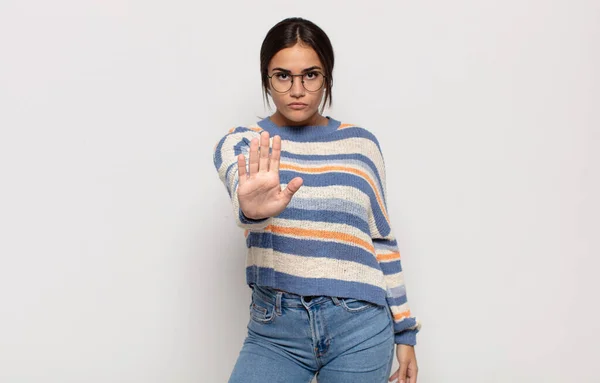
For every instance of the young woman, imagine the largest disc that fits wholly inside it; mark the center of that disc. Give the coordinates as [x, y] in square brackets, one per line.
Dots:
[328, 293]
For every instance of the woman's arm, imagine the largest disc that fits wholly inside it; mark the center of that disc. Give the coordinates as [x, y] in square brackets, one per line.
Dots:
[406, 326]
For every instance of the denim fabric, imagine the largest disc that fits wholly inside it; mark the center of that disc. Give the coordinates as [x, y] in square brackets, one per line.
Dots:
[292, 338]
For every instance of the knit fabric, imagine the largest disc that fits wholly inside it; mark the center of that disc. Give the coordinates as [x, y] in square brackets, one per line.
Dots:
[334, 238]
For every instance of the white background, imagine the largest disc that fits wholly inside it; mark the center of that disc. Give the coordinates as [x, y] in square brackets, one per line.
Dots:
[119, 257]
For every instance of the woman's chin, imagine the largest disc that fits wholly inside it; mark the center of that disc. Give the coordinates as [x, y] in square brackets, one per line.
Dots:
[298, 117]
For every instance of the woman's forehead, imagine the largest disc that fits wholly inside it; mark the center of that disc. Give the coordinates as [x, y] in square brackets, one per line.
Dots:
[295, 59]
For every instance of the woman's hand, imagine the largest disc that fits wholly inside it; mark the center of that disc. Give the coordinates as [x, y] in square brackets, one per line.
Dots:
[407, 372]
[259, 191]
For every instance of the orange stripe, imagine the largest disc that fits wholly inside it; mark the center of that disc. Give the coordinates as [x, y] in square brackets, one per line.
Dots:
[388, 257]
[342, 126]
[323, 234]
[231, 130]
[344, 168]
[256, 129]
[402, 315]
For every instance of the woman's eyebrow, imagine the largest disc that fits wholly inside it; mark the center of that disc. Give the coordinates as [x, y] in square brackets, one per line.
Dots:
[303, 70]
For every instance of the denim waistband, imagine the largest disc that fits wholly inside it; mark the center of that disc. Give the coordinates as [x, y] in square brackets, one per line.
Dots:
[283, 298]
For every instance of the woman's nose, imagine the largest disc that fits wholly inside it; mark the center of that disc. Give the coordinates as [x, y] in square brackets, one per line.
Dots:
[297, 88]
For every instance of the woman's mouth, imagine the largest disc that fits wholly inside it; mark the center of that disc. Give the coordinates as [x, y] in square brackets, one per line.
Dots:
[297, 105]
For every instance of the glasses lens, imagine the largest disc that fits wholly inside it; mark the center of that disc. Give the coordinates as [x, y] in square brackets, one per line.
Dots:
[281, 82]
[313, 81]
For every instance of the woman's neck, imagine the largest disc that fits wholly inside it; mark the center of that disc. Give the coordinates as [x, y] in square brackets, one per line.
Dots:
[315, 120]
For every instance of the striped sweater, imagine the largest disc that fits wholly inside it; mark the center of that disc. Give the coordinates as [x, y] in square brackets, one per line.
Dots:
[334, 238]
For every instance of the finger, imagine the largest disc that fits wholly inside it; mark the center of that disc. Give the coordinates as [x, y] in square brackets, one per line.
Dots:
[264, 152]
[394, 376]
[292, 187]
[241, 162]
[275, 155]
[253, 167]
[402, 377]
[412, 372]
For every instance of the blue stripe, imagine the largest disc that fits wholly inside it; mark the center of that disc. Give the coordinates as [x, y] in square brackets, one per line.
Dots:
[397, 301]
[397, 291]
[237, 148]
[387, 244]
[332, 204]
[336, 135]
[315, 286]
[217, 156]
[264, 240]
[390, 267]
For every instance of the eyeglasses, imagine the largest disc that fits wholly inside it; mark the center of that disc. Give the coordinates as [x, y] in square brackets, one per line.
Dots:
[282, 82]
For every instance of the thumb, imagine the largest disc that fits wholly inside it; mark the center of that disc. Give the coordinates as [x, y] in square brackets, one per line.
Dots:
[292, 187]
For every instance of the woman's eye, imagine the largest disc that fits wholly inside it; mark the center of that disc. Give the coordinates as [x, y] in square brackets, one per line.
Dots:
[282, 76]
[312, 75]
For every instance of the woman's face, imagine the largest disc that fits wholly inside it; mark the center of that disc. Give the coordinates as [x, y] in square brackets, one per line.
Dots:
[298, 59]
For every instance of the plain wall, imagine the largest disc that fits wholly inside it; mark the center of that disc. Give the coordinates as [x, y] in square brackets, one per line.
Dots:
[119, 257]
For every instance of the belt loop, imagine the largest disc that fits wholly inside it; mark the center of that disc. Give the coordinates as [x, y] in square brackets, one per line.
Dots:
[278, 302]
[335, 301]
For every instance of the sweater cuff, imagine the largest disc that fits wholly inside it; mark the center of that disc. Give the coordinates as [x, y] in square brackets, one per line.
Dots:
[408, 337]
[245, 220]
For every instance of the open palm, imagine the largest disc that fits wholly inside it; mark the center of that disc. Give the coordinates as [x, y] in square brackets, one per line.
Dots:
[259, 191]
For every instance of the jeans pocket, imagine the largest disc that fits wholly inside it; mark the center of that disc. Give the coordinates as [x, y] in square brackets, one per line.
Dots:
[261, 311]
[355, 305]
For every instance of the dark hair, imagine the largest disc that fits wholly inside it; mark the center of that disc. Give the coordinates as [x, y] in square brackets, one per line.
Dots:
[288, 33]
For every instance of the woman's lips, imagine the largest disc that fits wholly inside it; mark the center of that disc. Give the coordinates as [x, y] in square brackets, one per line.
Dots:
[297, 106]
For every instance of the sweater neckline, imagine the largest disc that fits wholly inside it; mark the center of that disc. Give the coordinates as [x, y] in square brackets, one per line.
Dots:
[304, 131]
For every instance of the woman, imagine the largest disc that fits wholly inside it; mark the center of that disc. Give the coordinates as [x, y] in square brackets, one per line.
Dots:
[328, 297]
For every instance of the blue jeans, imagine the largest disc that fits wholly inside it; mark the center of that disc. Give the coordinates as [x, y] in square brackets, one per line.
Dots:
[291, 338]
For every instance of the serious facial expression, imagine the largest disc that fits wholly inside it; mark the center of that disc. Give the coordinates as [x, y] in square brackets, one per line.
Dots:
[298, 106]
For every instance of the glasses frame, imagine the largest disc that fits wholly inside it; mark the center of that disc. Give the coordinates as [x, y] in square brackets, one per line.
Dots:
[292, 83]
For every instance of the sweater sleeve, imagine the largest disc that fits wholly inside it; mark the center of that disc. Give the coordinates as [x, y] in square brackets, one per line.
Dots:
[226, 151]
[406, 326]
